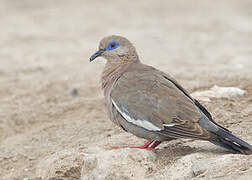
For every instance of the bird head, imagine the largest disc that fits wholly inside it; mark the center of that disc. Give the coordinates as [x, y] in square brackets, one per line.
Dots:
[116, 49]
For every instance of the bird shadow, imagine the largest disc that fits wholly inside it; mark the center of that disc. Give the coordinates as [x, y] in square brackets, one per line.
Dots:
[179, 149]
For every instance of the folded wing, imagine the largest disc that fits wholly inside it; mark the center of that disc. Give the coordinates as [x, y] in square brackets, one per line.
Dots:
[150, 99]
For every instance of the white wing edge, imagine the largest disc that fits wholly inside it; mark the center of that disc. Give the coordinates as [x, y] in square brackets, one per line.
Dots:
[139, 122]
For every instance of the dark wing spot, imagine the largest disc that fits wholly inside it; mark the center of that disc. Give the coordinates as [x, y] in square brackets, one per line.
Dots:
[123, 128]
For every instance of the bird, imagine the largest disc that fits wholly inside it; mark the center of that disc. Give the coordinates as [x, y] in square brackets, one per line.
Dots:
[151, 104]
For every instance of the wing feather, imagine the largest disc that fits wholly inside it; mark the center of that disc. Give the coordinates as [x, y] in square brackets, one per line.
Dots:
[147, 95]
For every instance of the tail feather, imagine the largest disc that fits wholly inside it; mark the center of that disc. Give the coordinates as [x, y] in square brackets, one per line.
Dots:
[229, 141]
[223, 137]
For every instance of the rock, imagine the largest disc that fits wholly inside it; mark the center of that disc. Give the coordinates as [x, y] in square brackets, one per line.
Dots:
[218, 92]
[211, 167]
[199, 166]
[89, 163]
[65, 164]
[119, 164]
[180, 169]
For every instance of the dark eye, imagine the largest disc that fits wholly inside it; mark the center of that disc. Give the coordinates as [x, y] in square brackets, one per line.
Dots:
[112, 45]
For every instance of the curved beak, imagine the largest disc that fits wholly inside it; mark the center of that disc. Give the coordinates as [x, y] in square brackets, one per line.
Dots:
[97, 54]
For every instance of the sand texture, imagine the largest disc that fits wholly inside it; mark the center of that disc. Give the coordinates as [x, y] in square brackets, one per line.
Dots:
[53, 124]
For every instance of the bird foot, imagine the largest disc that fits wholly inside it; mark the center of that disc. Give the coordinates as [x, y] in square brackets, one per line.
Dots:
[142, 147]
[148, 145]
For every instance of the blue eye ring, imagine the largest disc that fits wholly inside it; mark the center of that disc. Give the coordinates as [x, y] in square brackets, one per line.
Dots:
[112, 45]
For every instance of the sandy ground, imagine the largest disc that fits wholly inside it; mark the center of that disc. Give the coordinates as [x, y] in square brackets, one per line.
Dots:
[51, 102]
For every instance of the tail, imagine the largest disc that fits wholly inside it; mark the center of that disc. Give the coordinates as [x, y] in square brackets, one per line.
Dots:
[222, 137]
[226, 140]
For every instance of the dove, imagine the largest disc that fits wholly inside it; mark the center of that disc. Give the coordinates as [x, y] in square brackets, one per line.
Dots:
[151, 104]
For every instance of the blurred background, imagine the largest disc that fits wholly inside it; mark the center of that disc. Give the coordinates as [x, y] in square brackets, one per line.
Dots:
[50, 95]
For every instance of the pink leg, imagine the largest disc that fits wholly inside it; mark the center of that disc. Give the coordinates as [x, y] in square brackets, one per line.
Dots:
[147, 144]
[155, 144]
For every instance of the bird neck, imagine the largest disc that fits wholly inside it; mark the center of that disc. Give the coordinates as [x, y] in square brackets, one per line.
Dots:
[113, 71]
